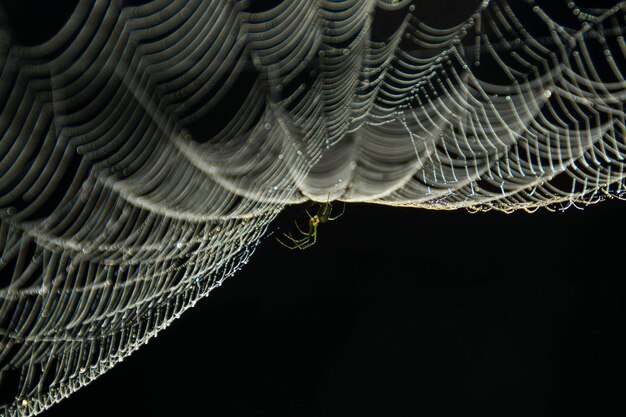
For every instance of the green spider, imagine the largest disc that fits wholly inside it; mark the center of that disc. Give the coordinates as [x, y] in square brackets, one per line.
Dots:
[309, 238]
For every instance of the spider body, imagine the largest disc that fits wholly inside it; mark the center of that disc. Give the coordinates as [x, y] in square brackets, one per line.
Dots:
[309, 237]
[324, 212]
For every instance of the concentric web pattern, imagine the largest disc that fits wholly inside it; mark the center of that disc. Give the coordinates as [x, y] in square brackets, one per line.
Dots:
[146, 148]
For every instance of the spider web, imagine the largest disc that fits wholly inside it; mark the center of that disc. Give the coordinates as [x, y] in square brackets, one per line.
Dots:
[146, 148]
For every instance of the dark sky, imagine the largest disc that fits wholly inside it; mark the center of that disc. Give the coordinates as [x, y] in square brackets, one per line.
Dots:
[394, 312]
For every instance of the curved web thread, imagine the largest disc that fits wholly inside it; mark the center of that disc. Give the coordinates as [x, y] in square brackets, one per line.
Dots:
[145, 149]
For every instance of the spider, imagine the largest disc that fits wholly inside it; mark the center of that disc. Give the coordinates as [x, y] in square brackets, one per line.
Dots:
[309, 238]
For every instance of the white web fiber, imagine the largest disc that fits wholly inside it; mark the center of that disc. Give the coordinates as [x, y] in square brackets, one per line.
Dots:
[144, 149]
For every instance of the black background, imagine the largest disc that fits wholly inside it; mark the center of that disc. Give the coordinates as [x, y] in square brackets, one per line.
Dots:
[398, 312]
[394, 312]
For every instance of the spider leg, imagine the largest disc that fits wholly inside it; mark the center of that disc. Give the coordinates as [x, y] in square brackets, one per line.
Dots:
[286, 245]
[343, 210]
[306, 245]
[300, 230]
[311, 240]
[297, 243]
[294, 240]
[291, 238]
